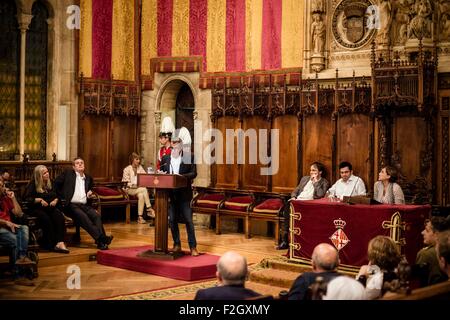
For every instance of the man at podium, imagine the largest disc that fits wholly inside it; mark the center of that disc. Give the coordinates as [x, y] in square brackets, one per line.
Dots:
[180, 162]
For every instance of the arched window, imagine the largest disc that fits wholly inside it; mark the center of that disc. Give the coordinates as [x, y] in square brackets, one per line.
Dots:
[36, 83]
[9, 80]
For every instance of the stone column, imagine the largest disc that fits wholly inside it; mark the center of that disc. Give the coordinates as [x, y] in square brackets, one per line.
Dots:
[24, 21]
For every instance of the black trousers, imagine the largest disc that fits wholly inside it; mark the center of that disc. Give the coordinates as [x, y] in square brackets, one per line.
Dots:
[285, 227]
[88, 219]
[51, 220]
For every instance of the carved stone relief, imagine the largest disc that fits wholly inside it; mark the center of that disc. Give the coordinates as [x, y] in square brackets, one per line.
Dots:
[349, 24]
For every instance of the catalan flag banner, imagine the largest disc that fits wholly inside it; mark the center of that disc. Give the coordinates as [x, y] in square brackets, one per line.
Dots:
[229, 35]
[108, 38]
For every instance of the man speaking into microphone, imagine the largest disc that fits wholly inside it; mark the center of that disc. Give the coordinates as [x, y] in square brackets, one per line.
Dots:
[180, 162]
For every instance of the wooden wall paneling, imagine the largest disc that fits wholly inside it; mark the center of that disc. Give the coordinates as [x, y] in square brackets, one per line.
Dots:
[409, 149]
[251, 173]
[317, 136]
[353, 144]
[288, 176]
[123, 143]
[94, 145]
[443, 150]
[227, 175]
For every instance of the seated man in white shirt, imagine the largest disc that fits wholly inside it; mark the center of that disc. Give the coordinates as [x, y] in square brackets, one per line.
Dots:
[348, 185]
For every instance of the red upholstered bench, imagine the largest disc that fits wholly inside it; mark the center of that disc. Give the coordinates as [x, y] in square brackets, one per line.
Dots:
[112, 196]
[207, 201]
[236, 206]
[268, 210]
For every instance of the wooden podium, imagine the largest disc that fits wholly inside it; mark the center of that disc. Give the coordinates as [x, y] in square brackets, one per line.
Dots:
[163, 183]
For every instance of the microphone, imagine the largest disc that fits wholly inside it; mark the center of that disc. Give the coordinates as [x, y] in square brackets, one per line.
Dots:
[354, 186]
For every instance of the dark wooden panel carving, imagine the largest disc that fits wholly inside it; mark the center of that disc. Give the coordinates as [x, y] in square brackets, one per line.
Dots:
[409, 152]
[317, 138]
[353, 144]
[286, 178]
[227, 175]
[94, 146]
[251, 171]
[445, 161]
[122, 145]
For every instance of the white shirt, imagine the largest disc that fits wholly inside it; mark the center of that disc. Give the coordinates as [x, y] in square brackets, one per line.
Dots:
[79, 195]
[175, 165]
[354, 186]
[308, 192]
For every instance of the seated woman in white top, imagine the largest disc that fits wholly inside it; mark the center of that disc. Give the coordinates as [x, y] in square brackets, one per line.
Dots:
[386, 190]
[130, 176]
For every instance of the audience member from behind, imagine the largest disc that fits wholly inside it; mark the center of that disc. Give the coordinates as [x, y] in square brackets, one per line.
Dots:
[443, 251]
[12, 235]
[310, 187]
[231, 276]
[384, 257]
[325, 261]
[348, 185]
[75, 187]
[44, 204]
[426, 261]
[345, 288]
[130, 177]
[386, 190]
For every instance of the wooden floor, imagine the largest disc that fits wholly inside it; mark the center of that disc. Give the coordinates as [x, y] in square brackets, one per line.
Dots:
[99, 281]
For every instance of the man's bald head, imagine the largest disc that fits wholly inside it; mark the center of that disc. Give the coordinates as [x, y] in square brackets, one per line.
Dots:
[325, 258]
[232, 268]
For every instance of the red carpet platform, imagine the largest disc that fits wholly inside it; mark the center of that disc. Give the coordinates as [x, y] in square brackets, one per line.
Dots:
[184, 268]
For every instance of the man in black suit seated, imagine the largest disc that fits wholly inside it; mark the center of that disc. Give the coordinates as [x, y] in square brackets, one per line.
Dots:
[231, 275]
[325, 261]
[75, 187]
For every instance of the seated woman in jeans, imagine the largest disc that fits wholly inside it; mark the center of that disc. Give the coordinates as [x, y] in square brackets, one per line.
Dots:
[130, 176]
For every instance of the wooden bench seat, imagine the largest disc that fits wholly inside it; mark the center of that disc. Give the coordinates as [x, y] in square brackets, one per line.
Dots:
[236, 205]
[241, 204]
[268, 208]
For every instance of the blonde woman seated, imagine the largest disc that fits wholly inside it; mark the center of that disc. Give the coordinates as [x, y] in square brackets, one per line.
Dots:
[386, 190]
[130, 176]
[44, 203]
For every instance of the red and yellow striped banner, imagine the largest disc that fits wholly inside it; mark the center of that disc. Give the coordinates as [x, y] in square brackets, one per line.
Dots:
[229, 35]
[107, 39]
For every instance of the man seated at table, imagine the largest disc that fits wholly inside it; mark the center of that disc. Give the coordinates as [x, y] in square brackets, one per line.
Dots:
[310, 187]
[348, 185]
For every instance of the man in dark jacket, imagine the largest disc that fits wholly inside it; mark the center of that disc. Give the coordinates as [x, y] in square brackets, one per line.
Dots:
[231, 275]
[75, 187]
[181, 162]
[325, 261]
[310, 187]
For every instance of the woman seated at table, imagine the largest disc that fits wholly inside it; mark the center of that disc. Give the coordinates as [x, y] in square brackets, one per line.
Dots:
[386, 190]
[313, 186]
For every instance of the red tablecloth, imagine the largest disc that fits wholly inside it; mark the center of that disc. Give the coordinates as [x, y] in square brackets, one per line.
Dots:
[350, 228]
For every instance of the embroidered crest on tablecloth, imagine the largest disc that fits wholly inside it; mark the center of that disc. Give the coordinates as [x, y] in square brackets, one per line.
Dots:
[339, 238]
